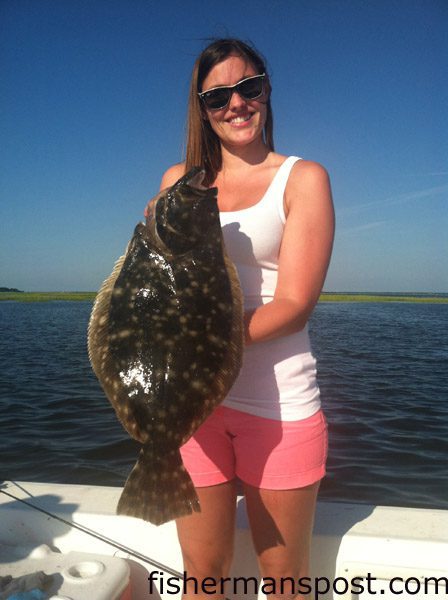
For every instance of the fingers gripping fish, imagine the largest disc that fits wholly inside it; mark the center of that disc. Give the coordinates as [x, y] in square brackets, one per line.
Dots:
[165, 340]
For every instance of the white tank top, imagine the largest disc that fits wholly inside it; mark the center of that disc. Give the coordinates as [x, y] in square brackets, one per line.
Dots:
[278, 378]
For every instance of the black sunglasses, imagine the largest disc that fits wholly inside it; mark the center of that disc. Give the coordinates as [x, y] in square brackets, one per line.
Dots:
[219, 97]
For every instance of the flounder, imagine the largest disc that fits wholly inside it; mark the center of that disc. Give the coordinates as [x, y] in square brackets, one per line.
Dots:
[165, 339]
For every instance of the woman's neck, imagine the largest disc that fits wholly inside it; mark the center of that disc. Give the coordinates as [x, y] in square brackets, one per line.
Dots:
[236, 158]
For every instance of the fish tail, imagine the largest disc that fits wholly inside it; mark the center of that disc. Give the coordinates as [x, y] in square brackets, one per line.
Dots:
[158, 488]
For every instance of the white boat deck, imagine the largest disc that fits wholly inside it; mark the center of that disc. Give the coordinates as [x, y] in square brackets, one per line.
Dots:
[351, 541]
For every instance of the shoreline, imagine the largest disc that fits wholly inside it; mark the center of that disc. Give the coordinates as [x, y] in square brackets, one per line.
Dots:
[324, 297]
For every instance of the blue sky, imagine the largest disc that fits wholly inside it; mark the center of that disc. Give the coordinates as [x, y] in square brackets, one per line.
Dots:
[93, 103]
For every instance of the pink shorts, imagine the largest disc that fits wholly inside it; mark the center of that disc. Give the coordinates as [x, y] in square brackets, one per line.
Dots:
[264, 453]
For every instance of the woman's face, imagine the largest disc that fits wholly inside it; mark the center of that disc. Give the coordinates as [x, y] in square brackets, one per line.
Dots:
[242, 121]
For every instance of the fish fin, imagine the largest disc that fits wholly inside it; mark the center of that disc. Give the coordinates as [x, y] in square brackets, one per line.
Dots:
[98, 328]
[158, 488]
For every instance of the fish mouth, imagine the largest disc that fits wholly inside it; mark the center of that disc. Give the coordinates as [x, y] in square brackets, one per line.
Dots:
[194, 178]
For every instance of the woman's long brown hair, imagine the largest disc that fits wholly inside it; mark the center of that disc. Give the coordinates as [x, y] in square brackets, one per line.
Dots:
[203, 147]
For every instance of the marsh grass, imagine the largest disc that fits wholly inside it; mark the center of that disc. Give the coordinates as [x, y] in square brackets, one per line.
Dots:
[325, 297]
[46, 296]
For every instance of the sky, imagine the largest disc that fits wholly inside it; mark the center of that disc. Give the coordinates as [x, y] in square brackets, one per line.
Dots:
[93, 98]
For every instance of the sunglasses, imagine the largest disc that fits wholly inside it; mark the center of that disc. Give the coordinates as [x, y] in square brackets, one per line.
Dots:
[219, 97]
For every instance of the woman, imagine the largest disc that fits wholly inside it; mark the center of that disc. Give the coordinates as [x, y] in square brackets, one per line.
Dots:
[278, 224]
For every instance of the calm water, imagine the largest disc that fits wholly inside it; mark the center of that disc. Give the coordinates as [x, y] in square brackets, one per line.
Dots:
[383, 377]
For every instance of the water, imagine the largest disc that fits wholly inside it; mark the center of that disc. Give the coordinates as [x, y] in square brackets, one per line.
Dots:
[384, 381]
[382, 372]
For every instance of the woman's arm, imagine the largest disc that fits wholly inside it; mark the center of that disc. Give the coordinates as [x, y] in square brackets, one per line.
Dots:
[304, 255]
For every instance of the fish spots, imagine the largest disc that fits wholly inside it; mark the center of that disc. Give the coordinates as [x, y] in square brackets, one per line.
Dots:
[124, 333]
[199, 386]
[215, 340]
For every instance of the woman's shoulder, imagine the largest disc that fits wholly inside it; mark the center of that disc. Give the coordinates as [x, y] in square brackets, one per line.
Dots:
[172, 174]
[303, 170]
[308, 183]
[307, 167]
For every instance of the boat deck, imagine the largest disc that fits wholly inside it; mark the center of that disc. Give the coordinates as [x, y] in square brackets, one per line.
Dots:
[354, 545]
